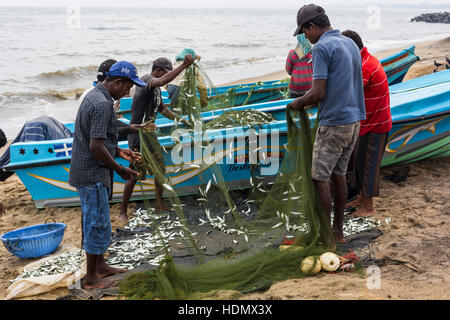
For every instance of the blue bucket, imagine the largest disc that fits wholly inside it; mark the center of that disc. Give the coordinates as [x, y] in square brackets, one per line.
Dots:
[34, 241]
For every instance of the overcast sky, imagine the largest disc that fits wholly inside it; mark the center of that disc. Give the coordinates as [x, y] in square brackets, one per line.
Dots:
[211, 3]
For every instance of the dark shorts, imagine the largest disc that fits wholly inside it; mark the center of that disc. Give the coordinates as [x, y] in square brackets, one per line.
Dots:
[333, 148]
[369, 152]
[96, 218]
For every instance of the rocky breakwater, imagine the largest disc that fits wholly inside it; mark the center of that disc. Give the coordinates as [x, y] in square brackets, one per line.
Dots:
[440, 17]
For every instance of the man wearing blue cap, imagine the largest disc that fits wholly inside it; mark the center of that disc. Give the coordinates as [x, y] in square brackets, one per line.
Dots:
[147, 102]
[95, 145]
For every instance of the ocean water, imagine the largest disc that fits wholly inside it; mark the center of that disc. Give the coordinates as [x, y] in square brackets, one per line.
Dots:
[48, 54]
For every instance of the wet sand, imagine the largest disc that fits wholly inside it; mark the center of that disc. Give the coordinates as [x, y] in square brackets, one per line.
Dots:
[415, 248]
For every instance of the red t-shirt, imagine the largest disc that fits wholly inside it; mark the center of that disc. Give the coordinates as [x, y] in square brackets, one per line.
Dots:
[376, 96]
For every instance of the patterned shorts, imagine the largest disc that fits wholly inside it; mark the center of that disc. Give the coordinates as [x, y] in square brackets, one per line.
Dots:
[333, 148]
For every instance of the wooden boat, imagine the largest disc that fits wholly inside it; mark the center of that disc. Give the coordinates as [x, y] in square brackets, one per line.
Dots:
[421, 129]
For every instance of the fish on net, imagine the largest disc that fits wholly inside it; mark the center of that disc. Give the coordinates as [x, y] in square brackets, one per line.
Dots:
[287, 205]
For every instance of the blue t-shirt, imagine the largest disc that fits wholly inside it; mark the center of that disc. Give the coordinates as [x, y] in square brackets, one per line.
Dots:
[337, 59]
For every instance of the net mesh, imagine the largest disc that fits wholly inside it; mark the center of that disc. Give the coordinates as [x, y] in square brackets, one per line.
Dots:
[288, 205]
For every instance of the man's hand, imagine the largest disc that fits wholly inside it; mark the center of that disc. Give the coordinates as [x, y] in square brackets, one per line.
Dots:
[188, 59]
[126, 173]
[149, 125]
[183, 120]
[296, 105]
[134, 128]
[129, 155]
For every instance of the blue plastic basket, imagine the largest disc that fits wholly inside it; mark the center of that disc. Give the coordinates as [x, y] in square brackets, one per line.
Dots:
[34, 241]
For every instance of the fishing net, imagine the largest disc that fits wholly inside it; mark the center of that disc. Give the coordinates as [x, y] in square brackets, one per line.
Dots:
[188, 101]
[287, 206]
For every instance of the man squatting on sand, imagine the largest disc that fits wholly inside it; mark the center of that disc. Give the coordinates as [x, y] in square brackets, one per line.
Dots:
[95, 145]
[338, 90]
[147, 102]
[374, 130]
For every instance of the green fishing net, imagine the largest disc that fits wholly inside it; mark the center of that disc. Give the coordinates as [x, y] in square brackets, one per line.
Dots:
[286, 206]
[235, 96]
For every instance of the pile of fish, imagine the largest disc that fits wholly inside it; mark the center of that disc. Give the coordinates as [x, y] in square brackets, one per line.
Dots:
[66, 262]
[240, 118]
[355, 225]
[148, 247]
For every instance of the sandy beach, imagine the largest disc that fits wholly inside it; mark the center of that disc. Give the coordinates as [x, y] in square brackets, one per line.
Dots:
[415, 246]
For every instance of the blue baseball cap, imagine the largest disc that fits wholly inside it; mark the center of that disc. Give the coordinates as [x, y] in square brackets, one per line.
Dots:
[127, 70]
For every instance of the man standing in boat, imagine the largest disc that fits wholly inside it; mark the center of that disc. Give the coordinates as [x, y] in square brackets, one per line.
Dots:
[338, 87]
[374, 130]
[95, 146]
[147, 102]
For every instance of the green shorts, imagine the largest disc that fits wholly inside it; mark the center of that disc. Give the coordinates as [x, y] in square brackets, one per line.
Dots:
[333, 148]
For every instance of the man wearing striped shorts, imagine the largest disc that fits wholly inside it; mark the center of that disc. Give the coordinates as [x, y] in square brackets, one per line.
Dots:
[373, 131]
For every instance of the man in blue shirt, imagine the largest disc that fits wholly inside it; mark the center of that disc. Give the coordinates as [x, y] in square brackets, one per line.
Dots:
[338, 89]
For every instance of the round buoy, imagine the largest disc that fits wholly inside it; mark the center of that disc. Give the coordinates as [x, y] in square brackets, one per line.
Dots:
[329, 261]
[308, 264]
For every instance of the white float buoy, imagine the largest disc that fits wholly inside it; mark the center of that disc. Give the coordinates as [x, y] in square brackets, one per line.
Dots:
[329, 261]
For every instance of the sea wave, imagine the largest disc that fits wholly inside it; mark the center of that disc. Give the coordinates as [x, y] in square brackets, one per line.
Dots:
[74, 72]
[238, 45]
[48, 94]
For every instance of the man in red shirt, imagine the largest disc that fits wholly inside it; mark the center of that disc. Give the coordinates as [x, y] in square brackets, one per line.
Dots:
[373, 131]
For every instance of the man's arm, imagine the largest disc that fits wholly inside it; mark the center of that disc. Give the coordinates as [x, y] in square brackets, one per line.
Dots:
[169, 76]
[312, 97]
[166, 112]
[98, 149]
[289, 64]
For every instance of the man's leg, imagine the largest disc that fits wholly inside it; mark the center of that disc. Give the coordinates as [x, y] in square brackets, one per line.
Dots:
[159, 202]
[103, 270]
[96, 234]
[91, 280]
[366, 209]
[127, 192]
[324, 191]
[340, 197]
[373, 149]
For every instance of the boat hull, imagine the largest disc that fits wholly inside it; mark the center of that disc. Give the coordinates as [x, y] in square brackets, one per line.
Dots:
[421, 129]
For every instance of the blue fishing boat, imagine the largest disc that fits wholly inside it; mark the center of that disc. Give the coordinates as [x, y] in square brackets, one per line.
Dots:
[235, 95]
[397, 65]
[421, 129]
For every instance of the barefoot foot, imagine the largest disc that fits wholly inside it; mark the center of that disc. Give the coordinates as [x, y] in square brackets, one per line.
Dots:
[98, 283]
[355, 203]
[363, 212]
[338, 237]
[106, 270]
